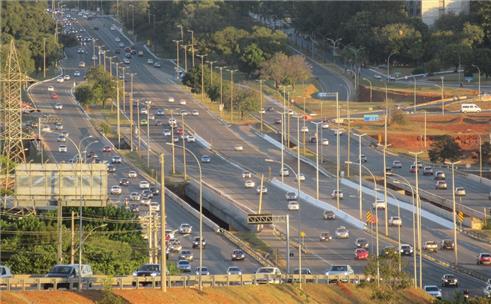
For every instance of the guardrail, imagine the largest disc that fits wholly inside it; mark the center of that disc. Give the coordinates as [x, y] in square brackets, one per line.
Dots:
[124, 282]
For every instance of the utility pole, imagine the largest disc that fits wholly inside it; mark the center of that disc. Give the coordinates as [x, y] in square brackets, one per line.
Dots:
[131, 112]
[232, 95]
[337, 150]
[138, 124]
[118, 114]
[177, 58]
[72, 243]
[454, 213]
[192, 46]
[163, 257]
[150, 234]
[211, 71]
[44, 58]
[184, 148]
[261, 111]
[148, 135]
[124, 89]
[418, 218]
[385, 194]
[360, 189]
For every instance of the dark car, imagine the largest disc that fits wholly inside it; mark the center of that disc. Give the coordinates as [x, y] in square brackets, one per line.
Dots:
[111, 169]
[447, 244]
[389, 251]
[147, 270]
[450, 280]
[155, 190]
[238, 255]
[196, 243]
[124, 182]
[406, 250]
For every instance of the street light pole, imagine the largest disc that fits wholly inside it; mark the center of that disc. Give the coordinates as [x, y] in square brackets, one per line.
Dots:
[177, 57]
[338, 165]
[262, 106]
[443, 96]
[385, 193]
[454, 212]
[418, 218]
[163, 249]
[360, 190]
[370, 83]
[317, 192]
[414, 94]
[117, 106]
[202, 77]
[479, 80]
[211, 71]
[192, 46]
[131, 111]
[232, 95]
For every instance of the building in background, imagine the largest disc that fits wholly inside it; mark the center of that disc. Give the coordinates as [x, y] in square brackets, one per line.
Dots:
[430, 10]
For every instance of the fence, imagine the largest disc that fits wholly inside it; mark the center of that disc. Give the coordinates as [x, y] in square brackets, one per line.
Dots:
[20, 283]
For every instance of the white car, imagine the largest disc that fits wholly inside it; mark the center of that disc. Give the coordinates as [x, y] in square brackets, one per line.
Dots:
[325, 126]
[264, 189]
[433, 291]
[76, 74]
[62, 148]
[171, 99]
[51, 89]
[336, 194]
[249, 183]
[487, 291]
[58, 126]
[395, 221]
[191, 138]
[293, 205]
[460, 191]
[342, 233]
[172, 122]
[167, 132]
[117, 39]
[182, 101]
[284, 172]
[300, 177]
[195, 113]
[144, 185]
[185, 229]
[150, 61]
[126, 61]
[58, 106]
[246, 174]
[60, 79]
[396, 164]
[325, 142]
[135, 196]
[61, 138]
[66, 77]
[239, 148]
[379, 204]
[305, 129]
[116, 190]
[132, 174]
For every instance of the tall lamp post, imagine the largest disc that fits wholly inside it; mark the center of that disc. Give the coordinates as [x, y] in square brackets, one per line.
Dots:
[418, 217]
[479, 80]
[360, 190]
[454, 212]
[317, 191]
[371, 88]
[192, 46]
[177, 57]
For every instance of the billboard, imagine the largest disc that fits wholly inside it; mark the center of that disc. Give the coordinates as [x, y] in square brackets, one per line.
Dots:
[42, 185]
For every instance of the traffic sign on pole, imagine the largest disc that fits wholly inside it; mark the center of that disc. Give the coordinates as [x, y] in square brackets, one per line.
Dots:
[460, 217]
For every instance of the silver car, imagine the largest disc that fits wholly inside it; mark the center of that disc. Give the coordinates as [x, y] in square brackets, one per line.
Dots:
[186, 255]
[185, 229]
[342, 233]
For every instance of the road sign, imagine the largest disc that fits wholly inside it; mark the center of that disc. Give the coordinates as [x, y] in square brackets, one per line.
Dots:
[369, 217]
[302, 234]
[259, 219]
[460, 217]
[370, 117]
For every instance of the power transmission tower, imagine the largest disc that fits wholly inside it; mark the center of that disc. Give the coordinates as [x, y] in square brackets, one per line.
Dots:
[12, 81]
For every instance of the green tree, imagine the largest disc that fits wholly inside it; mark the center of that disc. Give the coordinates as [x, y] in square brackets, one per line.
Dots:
[486, 151]
[444, 148]
[83, 94]
[251, 59]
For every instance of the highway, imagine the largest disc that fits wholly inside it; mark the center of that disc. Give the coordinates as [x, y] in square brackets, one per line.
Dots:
[149, 78]
[77, 124]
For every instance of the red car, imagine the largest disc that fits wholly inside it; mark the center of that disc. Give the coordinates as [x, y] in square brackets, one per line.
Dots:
[412, 169]
[361, 254]
[484, 259]
[107, 149]
[180, 131]
[54, 96]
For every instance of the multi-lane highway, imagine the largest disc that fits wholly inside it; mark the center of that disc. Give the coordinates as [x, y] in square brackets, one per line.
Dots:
[225, 174]
[76, 124]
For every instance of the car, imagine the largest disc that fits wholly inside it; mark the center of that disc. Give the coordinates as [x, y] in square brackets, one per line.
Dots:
[396, 164]
[412, 169]
[132, 174]
[389, 251]
[325, 142]
[5, 272]
[325, 236]
[58, 125]
[205, 159]
[171, 99]
[293, 205]
[234, 270]
[147, 270]
[61, 138]
[428, 171]
[94, 57]
[305, 129]
[363, 158]
[268, 275]
[69, 271]
[81, 64]
[460, 191]
[196, 242]
[126, 61]
[144, 111]
[379, 204]
[185, 228]
[447, 244]
[160, 112]
[263, 190]
[450, 280]
[487, 291]
[143, 122]
[195, 113]
[58, 106]
[186, 255]
[277, 122]
[361, 243]
[116, 190]
[54, 96]
[284, 172]
[190, 139]
[246, 174]
[60, 79]
[440, 175]
[441, 185]
[150, 61]
[325, 125]
[107, 149]
[484, 259]
[249, 184]
[184, 266]
[175, 245]
[66, 77]
[127, 55]
[433, 291]
[291, 196]
[238, 255]
[339, 272]
[395, 221]
[313, 139]
[124, 182]
[202, 271]
[329, 215]
[338, 131]
[182, 101]
[239, 148]
[167, 132]
[342, 233]
[116, 159]
[111, 169]
[76, 74]
[361, 254]
[406, 249]
[430, 246]
[419, 163]
[388, 171]
[62, 148]
[121, 45]
[300, 177]
[147, 193]
[144, 184]
[335, 194]
[51, 89]
[154, 190]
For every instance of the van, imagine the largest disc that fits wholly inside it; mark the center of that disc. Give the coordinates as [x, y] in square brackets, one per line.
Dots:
[70, 271]
[469, 108]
